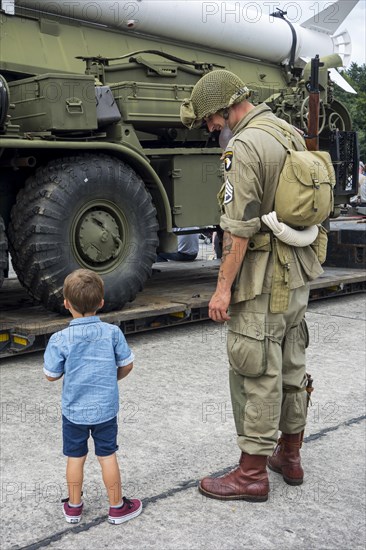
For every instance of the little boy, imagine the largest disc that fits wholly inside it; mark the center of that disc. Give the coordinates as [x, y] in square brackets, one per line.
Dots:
[92, 356]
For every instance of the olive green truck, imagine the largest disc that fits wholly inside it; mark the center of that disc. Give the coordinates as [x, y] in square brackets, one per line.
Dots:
[96, 167]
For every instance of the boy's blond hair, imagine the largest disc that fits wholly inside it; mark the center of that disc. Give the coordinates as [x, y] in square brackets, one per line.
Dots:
[84, 289]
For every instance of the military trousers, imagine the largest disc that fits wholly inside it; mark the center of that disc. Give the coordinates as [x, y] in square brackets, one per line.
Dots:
[267, 370]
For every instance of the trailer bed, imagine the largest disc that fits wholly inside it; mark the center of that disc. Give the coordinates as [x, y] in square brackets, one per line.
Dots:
[176, 293]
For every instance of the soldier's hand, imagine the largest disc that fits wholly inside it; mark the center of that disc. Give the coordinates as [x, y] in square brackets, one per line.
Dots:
[218, 306]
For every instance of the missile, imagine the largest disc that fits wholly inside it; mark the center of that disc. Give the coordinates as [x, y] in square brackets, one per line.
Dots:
[244, 28]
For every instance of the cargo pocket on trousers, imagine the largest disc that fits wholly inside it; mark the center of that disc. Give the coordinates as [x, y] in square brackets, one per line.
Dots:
[247, 354]
[295, 344]
[304, 331]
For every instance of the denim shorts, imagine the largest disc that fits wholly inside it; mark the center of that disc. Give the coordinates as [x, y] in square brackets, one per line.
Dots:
[75, 437]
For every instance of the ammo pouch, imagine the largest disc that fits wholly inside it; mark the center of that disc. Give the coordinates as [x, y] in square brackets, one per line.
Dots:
[282, 253]
[280, 292]
[260, 242]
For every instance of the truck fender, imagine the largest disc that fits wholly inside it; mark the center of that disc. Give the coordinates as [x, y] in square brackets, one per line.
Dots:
[138, 161]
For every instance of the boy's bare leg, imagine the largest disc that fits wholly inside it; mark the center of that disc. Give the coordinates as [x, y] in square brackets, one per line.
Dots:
[112, 478]
[74, 478]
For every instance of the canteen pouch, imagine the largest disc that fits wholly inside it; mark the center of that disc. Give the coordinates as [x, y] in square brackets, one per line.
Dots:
[320, 244]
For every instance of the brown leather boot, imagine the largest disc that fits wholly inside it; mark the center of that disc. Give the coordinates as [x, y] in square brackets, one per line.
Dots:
[286, 458]
[249, 481]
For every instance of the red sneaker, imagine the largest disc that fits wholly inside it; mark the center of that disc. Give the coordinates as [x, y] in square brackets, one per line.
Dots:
[72, 514]
[131, 508]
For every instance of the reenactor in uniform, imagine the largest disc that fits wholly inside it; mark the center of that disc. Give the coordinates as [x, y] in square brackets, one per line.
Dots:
[262, 298]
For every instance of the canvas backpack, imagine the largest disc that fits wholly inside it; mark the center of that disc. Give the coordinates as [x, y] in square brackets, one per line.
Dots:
[304, 194]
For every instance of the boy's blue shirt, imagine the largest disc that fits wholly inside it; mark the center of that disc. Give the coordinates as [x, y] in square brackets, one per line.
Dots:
[88, 353]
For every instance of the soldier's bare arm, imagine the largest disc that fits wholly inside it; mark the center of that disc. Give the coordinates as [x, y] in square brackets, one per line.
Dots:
[233, 252]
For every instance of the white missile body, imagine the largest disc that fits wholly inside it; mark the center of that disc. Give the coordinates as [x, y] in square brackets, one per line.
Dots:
[243, 28]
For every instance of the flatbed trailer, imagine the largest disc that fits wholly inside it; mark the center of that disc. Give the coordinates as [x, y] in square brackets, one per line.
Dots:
[177, 293]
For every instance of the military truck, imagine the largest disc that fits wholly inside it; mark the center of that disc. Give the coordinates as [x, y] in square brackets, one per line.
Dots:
[96, 168]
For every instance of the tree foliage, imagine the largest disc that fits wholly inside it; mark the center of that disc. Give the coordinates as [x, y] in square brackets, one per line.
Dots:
[356, 104]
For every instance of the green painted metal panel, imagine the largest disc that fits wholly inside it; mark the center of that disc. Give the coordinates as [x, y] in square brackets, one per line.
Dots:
[196, 182]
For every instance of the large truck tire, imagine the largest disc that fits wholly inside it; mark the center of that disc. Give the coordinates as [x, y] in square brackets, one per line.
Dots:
[88, 211]
[3, 251]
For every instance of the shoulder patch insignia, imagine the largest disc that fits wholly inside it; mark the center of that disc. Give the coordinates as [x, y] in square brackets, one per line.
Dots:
[229, 192]
[228, 160]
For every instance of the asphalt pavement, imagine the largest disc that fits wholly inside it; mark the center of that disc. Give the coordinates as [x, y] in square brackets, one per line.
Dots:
[176, 426]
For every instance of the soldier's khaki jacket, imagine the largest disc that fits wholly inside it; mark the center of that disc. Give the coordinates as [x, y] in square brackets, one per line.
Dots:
[253, 162]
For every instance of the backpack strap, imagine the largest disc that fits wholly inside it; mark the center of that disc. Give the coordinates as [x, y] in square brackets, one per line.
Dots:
[275, 130]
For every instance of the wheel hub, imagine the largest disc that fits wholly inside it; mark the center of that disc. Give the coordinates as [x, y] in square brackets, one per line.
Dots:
[98, 237]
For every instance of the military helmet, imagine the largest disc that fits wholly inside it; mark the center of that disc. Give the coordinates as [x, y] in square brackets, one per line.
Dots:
[214, 92]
